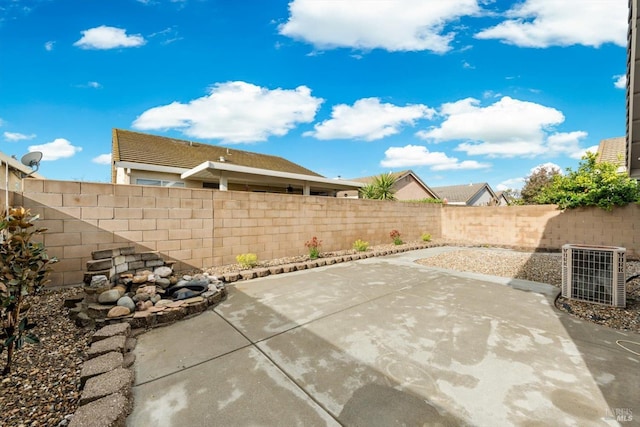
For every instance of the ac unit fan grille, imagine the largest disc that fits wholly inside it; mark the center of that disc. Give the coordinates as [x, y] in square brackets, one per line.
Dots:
[594, 274]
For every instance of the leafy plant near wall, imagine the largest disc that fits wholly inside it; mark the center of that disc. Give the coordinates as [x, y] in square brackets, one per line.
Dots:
[426, 237]
[24, 267]
[395, 235]
[360, 245]
[314, 247]
[247, 260]
[593, 184]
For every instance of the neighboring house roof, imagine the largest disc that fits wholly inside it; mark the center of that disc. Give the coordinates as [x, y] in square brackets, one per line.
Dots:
[203, 162]
[463, 194]
[398, 176]
[502, 198]
[612, 150]
[144, 148]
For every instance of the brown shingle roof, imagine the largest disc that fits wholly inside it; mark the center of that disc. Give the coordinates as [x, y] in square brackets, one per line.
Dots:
[460, 193]
[144, 148]
[613, 150]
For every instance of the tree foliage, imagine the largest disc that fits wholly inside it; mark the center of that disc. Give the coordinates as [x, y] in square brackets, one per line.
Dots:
[24, 266]
[592, 184]
[380, 189]
[535, 183]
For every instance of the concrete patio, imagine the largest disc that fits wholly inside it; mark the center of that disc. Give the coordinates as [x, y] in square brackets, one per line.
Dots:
[385, 342]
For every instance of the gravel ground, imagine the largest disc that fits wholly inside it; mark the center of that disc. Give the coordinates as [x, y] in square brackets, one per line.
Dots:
[545, 268]
[43, 387]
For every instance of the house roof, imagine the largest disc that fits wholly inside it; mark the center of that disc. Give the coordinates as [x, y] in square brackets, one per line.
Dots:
[397, 176]
[612, 150]
[462, 193]
[210, 163]
[135, 147]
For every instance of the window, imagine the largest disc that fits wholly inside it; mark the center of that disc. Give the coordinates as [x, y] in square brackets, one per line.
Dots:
[159, 182]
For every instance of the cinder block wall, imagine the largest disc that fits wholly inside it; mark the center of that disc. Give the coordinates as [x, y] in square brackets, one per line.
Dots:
[84, 217]
[278, 225]
[200, 228]
[544, 227]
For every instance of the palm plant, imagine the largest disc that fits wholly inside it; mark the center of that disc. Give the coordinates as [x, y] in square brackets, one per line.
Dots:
[380, 189]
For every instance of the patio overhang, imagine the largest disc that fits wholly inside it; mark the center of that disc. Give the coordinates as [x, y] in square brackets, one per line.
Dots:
[223, 173]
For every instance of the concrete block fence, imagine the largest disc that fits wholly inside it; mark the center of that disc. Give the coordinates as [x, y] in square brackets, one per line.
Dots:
[200, 228]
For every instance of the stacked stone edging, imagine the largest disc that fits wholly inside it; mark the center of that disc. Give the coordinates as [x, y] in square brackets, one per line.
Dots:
[120, 287]
[249, 274]
[107, 379]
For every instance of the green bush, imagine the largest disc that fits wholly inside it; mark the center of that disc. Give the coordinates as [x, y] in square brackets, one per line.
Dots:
[24, 267]
[593, 184]
[247, 260]
[360, 245]
[426, 237]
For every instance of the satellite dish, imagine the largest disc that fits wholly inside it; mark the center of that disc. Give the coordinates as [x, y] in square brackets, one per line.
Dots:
[32, 160]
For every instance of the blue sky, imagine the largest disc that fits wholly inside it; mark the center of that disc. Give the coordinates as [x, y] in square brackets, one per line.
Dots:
[458, 91]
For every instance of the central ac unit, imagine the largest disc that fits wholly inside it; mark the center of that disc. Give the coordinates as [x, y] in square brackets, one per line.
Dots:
[594, 274]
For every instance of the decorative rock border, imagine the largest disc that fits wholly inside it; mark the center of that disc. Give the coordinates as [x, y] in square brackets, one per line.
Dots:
[107, 378]
[257, 272]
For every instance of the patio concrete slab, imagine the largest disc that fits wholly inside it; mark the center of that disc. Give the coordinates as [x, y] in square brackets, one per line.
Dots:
[239, 389]
[168, 349]
[384, 342]
[267, 307]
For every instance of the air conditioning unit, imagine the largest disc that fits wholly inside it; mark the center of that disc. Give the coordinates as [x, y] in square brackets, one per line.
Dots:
[594, 273]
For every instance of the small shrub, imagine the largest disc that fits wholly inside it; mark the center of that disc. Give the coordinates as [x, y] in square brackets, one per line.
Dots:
[314, 247]
[24, 267]
[247, 260]
[426, 237]
[360, 245]
[395, 235]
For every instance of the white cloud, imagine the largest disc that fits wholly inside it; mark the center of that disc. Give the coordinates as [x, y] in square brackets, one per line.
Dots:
[102, 159]
[544, 23]
[368, 119]
[567, 143]
[235, 112]
[48, 46]
[548, 166]
[59, 148]
[15, 136]
[399, 25]
[579, 153]
[104, 37]
[513, 183]
[620, 81]
[418, 155]
[90, 85]
[506, 128]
